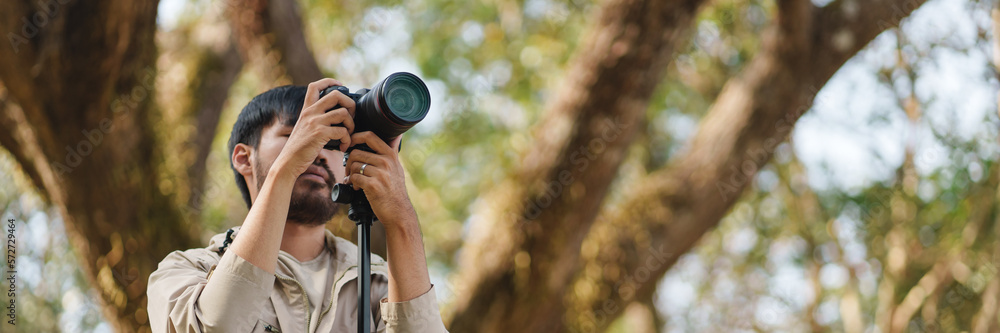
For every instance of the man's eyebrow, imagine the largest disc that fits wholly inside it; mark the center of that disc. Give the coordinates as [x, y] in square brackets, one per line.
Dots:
[281, 129]
[288, 121]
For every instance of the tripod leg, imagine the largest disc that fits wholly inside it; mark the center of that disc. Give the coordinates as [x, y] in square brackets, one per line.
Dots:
[365, 276]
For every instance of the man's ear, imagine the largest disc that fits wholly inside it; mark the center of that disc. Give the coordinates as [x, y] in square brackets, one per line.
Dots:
[241, 160]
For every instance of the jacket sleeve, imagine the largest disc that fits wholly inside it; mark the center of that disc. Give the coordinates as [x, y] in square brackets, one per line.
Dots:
[185, 297]
[420, 314]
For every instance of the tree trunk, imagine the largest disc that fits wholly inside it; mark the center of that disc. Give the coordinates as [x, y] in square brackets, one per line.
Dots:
[517, 261]
[82, 76]
[996, 45]
[189, 119]
[270, 36]
[217, 71]
[666, 213]
[520, 261]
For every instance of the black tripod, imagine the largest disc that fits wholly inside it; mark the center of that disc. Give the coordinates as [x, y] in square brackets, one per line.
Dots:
[361, 213]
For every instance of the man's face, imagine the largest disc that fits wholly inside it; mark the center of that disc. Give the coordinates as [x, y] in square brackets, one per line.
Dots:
[310, 203]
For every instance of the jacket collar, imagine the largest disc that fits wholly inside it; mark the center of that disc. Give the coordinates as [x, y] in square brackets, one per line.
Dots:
[345, 254]
[288, 289]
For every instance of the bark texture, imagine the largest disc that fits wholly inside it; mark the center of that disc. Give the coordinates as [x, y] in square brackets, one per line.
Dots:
[217, 71]
[666, 213]
[271, 38]
[519, 258]
[80, 84]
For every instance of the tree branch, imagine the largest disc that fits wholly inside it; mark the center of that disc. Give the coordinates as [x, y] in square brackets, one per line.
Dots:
[270, 36]
[219, 71]
[286, 24]
[996, 44]
[938, 276]
[665, 214]
[21, 64]
[527, 248]
[18, 141]
[986, 319]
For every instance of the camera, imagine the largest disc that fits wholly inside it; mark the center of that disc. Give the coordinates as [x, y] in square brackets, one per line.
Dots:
[390, 108]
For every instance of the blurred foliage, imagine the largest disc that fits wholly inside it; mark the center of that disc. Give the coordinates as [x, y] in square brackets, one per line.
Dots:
[792, 255]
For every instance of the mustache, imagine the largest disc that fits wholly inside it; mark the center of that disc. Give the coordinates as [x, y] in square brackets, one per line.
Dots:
[329, 173]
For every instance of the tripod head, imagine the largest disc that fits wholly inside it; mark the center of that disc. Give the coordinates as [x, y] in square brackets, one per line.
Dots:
[360, 210]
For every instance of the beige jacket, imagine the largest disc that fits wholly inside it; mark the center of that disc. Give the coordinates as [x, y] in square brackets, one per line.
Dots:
[200, 291]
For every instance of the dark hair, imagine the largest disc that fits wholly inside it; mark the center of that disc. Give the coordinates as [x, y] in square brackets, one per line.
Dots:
[282, 103]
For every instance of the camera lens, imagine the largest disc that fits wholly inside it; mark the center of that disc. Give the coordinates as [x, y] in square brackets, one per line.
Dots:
[393, 106]
[406, 97]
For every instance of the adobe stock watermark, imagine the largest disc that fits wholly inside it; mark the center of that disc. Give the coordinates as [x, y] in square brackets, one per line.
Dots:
[10, 279]
[420, 154]
[125, 275]
[31, 27]
[581, 159]
[122, 271]
[899, 12]
[375, 21]
[957, 296]
[214, 187]
[756, 157]
[626, 289]
[94, 137]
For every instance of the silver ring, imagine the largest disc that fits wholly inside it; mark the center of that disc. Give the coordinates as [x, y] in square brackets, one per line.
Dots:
[363, 169]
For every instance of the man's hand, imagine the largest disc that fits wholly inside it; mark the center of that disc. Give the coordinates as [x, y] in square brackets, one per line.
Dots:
[385, 186]
[383, 180]
[316, 127]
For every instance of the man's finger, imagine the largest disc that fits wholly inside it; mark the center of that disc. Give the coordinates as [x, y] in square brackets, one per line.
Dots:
[396, 142]
[364, 157]
[333, 99]
[338, 133]
[312, 91]
[357, 181]
[338, 117]
[355, 169]
[373, 142]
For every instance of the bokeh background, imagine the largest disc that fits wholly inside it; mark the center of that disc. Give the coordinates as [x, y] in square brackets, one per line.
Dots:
[875, 211]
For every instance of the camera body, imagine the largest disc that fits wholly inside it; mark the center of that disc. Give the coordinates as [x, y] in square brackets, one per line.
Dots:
[389, 109]
[335, 144]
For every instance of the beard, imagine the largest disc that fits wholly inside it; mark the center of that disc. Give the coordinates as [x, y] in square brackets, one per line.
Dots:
[309, 205]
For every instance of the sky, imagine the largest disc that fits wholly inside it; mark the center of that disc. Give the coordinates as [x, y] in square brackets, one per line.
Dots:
[838, 131]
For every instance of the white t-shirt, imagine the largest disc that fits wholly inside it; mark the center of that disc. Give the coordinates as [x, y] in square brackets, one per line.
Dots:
[318, 281]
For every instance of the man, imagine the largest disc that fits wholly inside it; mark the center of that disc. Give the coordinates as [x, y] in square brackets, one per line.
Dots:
[282, 271]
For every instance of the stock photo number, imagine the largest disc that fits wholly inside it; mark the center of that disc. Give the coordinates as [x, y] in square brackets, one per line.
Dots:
[11, 276]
